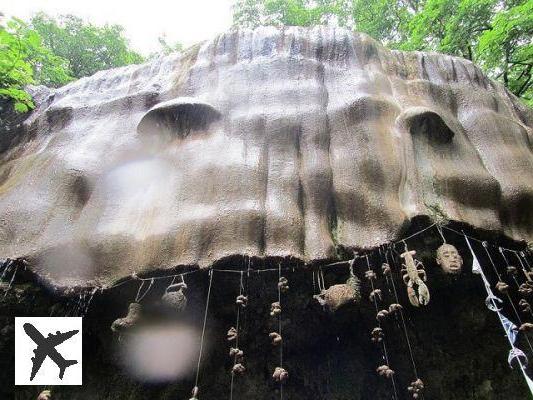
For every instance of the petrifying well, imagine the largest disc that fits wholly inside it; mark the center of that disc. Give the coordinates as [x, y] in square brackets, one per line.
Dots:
[264, 143]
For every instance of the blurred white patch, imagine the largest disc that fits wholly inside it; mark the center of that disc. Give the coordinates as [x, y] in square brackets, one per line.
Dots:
[161, 353]
[139, 198]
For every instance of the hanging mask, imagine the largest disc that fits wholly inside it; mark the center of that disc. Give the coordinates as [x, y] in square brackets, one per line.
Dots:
[449, 259]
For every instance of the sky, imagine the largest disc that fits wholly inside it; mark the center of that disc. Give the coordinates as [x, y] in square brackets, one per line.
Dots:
[186, 21]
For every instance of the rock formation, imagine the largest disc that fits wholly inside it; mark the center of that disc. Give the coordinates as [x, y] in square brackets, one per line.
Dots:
[271, 143]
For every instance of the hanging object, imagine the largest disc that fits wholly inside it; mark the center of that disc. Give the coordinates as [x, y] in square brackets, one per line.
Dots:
[236, 353]
[510, 329]
[280, 374]
[238, 369]
[385, 268]
[415, 388]
[194, 393]
[283, 284]
[526, 327]
[241, 300]
[449, 259]
[370, 275]
[395, 308]
[377, 335]
[338, 295]
[382, 315]
[45, 395]
[275, 309]
[502, 287]
[275, 338]
[414, 277]
[174, 296]
[525, 307]
[385, 371]
[122, 325]
[232, 334]
[526, 289]
[511, 270]
[375, 295]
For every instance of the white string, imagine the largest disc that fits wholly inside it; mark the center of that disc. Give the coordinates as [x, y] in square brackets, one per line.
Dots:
[241, 287]
[138, 297]
[211, 272]
[385, 353]
[279, 331]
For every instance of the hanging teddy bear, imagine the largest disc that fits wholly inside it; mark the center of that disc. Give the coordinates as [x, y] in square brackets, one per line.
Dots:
[174, 296]
[275, 338]
[122, 325]
[275, 309]
[338, 295]
[280, 374]
[283, 284]
[385, 371]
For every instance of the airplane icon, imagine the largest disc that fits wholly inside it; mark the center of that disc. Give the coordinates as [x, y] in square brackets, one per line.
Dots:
[46, 348]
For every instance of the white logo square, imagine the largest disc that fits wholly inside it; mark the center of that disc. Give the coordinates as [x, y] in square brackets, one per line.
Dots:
[48, 351]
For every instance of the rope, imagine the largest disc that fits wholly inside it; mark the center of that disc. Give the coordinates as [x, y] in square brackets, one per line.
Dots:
[280, 333]
[507, 294]
[404, 325]
[237, 339]
[439, 228]
[203, 328]
[385, 353]
[138, 297]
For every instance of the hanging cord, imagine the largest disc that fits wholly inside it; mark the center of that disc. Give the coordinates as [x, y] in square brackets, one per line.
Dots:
[523, 255]
[439, 228]
[241, 289]
[524, 269]
[203, 329]
[404, 325]
[11, 281]
[138, 296]
[508, 265]
[280, 333]
[384, 347]
[485, 244]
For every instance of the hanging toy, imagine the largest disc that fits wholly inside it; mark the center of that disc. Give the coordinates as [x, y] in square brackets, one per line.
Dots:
[449, 259]
[526, 327]
[283, 284]
[338, 295]
[512, 270]
[377, 335]
[275, 338]
[370, 275]
[280, 374]
[232, 334]
[526, 289]
[242, 301]
[174, 296]
[525, 307]
[415, 388]
[237, 354]
[414, 277]
[275, 309]
[122, 325]
[375, 295]
[382, 315]
[238, 369]
[194, 393]
[45, 395]
[395, 308]
[384, 370]
[385, 268]
[502, 287]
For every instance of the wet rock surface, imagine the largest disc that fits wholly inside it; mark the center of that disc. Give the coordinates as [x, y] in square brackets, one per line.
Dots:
[265, 143]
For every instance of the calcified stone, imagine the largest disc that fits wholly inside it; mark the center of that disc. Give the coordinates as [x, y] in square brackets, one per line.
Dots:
[314, 138]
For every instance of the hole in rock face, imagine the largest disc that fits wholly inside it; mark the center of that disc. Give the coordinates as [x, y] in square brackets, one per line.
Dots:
[178, 117]
[431, 125]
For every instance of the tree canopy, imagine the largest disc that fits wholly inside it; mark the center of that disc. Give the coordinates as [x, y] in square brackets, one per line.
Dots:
[495, 34]
[86, 47]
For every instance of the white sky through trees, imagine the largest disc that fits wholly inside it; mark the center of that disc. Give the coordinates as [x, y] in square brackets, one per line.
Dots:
[186, 21]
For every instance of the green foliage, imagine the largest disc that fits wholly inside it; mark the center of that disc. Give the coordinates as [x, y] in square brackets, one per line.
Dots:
[496, 34]
[23, 61]
[86, 47]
